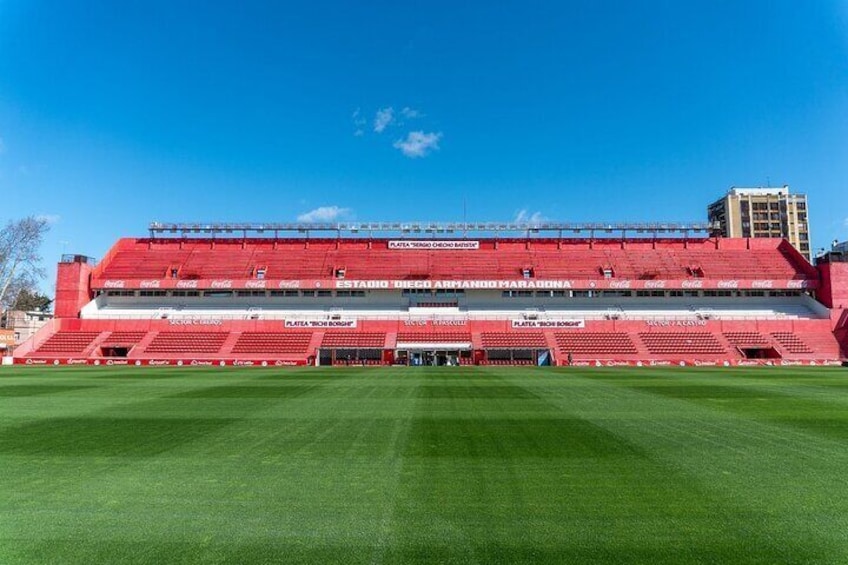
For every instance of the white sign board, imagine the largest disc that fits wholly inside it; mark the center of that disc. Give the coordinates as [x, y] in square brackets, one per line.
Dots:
[433, 244]
[548, 324]
[321, 323]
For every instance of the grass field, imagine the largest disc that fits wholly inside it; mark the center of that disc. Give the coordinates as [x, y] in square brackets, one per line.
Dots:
[496, 465]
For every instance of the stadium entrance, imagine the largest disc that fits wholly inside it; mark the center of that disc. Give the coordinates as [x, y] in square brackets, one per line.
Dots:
[433, 357]
[759, 352]
[351, 357]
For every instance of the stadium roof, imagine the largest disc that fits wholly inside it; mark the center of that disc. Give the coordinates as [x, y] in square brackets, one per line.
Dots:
[434, 228]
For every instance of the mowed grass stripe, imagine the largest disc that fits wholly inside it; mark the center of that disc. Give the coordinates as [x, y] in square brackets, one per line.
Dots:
[394, 465]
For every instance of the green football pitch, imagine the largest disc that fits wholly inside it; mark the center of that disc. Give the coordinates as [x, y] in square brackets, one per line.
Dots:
[423, 465]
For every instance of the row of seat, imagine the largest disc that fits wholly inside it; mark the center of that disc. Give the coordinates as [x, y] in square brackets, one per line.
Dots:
[595, 343]
[576, 342]
[741, 339]
[513, 340]
[791, 342]
[277, 342]
[297, 261]
[124, 338]
[354, 340]
[674, 343]
[68, 342]
[187, 342]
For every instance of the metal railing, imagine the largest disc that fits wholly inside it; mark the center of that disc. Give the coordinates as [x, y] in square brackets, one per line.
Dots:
[354, 229]
[72, 258]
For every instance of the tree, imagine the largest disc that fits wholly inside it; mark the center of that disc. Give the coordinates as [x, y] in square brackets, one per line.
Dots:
[30, 301]
[20, 260]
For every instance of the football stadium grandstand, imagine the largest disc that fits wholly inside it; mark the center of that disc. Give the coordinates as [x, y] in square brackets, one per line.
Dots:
[445, 294]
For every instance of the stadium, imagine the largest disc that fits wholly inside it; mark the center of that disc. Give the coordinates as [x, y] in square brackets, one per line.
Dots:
[432, 393]
[445, 294]
[454, 283]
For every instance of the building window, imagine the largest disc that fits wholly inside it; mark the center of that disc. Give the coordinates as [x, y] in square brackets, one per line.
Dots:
[284, 293]
[517, 294]
[218, 293]
[247, 293]
[151, 293]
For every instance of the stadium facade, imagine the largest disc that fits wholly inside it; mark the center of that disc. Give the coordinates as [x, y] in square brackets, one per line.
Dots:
[445, 294]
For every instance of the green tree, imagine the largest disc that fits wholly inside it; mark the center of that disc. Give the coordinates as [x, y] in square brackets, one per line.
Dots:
[30, 301]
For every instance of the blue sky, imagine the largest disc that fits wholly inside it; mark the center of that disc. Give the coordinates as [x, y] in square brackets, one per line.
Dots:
[114, 114]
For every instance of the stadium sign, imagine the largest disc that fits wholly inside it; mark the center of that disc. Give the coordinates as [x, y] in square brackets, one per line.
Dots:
[434, 244]
[363, 284]
[423, 323]
[548, 324]
[679, 323]
[320, 323]
[455, 285]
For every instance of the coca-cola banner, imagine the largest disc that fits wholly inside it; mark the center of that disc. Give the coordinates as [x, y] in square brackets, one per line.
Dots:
[448, 284]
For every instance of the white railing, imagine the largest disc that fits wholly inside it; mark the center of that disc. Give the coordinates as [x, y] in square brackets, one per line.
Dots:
[596, 316]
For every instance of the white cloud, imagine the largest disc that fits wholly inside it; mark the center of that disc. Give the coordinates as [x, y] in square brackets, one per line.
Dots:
[418, 144]
[410, 113]
[323, 214]
[383, 118]
[359, 122]
[51, 219]
[525, 217]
